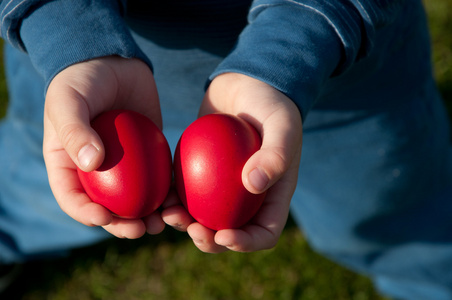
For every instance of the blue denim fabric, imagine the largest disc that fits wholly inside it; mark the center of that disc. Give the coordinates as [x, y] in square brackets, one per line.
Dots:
[31, 223]
[375, 193]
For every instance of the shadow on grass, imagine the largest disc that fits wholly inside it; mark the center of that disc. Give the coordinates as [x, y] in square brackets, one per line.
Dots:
[39, 279]
[41, 276]
[445, 88]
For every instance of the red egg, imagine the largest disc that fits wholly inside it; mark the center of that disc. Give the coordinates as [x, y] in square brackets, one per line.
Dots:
[135, 176]
[208, 164]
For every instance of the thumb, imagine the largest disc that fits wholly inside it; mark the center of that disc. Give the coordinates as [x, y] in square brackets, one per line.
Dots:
[70, 120]
[82, 144]
[281, 145]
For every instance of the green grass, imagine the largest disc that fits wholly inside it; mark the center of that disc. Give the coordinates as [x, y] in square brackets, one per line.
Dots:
[168, 266]
[440, 19]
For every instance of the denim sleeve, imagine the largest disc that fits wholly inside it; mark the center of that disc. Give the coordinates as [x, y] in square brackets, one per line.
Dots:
[295, 46]
[57, 34]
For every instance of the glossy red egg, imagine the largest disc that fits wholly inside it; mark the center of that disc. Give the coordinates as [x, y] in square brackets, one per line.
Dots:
[135, 176]
[208, 164]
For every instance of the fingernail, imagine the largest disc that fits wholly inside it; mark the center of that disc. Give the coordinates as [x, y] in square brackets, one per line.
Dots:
[86, 155]
[258, 179]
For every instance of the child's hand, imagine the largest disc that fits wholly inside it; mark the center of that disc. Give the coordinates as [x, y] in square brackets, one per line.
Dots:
[75, 96]
[273, 167]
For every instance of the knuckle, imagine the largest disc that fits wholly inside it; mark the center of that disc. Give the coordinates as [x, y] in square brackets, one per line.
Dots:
[278, 162]
[68, 135]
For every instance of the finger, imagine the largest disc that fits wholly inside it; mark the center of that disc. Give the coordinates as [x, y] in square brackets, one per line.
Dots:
[281, 141]
[264, 230]
[76, 203]
[261, 233]
[250, 238]
[126, 228]
[174, 213]
[204, 239]
[154, 223]
[177, 217]
[66, 187]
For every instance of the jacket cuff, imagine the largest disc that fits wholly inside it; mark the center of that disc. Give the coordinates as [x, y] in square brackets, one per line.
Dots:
[61, 33]
[294, 48]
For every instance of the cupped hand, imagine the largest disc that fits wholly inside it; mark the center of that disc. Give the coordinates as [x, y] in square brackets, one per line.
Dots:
[274, 168]
[75, 96]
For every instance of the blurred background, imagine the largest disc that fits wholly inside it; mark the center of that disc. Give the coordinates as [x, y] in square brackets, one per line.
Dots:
[169, 266]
